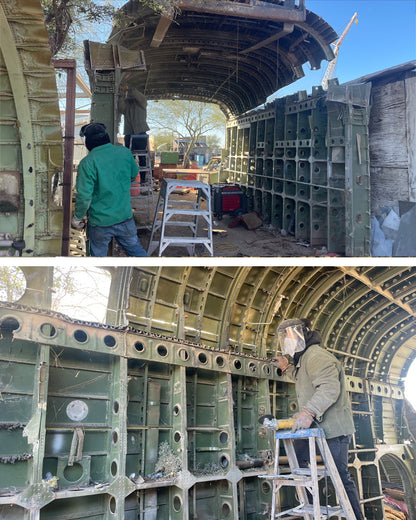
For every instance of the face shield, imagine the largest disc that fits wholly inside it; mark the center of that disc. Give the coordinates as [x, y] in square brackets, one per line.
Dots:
[292, 340]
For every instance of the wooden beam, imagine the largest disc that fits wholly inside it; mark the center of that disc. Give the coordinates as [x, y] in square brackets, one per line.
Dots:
[287, 29]
[257, 9]
[161, 30]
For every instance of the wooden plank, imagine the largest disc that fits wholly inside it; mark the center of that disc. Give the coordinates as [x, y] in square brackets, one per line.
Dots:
[387, 128]
[391, 121]
[388, 186]
[410, 86]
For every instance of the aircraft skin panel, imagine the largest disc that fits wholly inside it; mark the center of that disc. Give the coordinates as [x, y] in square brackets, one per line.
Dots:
[31, 147]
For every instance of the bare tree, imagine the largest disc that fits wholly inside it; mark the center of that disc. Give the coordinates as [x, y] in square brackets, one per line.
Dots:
[76, 291]
[188, 120]
[63, 17]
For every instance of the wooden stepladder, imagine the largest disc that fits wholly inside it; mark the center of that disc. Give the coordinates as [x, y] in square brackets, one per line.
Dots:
[304, 479]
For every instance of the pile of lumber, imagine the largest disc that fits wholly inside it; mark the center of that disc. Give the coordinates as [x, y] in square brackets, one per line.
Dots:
[392, 514]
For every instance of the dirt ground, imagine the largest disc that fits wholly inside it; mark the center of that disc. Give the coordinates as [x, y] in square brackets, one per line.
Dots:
[238, 241]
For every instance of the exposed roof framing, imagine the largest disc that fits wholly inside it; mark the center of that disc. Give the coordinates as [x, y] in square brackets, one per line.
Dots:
[365, 314]
[232, 53]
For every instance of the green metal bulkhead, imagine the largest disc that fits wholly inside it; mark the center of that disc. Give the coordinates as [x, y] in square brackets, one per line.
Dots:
[31, 146]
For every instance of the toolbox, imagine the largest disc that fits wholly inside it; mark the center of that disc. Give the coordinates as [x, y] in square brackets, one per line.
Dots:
[228, 198]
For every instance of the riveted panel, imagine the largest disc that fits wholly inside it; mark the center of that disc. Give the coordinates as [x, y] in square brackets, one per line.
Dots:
[131, 421]
[31, 133]
[311, 178]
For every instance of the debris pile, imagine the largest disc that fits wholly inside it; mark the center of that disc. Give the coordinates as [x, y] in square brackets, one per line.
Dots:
[393, 231]
[395, 506]
[168, 464]
[249, 220]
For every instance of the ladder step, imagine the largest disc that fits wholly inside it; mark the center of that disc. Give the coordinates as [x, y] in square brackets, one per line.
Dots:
[307, 509]
[177, 224]
[325, 512]
[192, 212]
[174, 205]
[307, 472]
[297, 474]
[296, 482]
[185, 240]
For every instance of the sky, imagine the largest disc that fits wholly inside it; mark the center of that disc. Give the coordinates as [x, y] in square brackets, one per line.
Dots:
[410, 385]
[385, 36]
[91, 291]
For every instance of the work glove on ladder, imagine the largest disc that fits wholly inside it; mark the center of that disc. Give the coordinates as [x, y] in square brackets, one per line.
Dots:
[302, 420]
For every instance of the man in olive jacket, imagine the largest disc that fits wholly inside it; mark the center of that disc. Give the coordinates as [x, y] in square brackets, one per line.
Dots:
[103, 193]
[322, 397]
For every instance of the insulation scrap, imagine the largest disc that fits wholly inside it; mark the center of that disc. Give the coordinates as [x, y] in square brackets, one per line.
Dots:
[51, 481]
[11, 459]
[11, 426]
[167, 464]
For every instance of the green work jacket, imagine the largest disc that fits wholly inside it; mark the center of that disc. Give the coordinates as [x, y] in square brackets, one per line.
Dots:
[103, 185]
[320, 388]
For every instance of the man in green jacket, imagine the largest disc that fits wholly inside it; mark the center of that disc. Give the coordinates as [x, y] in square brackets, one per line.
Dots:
[103, 193]
[322, 397]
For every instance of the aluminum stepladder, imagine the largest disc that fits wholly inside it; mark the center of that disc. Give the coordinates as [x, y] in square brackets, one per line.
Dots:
[141, 190]
[171, 212]
[307, 478]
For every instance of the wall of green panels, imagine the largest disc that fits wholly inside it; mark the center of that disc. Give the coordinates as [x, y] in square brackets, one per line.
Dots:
[304, 164]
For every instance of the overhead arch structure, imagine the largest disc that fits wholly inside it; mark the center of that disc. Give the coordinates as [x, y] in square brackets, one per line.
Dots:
[156, 412]
[232, 53]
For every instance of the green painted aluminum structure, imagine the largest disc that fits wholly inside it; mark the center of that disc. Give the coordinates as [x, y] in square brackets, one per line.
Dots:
[158, 419]
[304, 164]
[31, 137]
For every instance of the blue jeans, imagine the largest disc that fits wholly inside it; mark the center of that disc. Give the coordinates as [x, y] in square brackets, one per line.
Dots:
[338, 446]
[125, 233]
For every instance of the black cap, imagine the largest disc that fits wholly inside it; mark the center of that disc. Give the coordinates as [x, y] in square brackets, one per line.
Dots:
[92, 129]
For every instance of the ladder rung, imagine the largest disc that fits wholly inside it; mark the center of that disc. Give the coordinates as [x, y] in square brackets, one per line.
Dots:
[172, 204]
[289, 476]
[325, 512]
[307, 471]
[185, 240]
[299, 472]
[179, 224]
[299, 482]
[192, 212]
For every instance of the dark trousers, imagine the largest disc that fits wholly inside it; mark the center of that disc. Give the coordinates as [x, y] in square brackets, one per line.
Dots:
[338, 446]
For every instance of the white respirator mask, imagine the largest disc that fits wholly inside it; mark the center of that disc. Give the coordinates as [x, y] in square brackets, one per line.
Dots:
[292, 340]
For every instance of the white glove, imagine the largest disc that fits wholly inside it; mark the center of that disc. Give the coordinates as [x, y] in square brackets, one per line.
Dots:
[77, 223]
